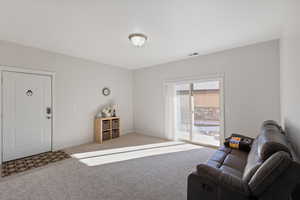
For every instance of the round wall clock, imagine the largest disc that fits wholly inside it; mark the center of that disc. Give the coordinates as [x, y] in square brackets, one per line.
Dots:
[106, 91]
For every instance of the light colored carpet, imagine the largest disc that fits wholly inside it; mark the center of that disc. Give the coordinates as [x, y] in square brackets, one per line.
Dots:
[149, 178]
[127, 140]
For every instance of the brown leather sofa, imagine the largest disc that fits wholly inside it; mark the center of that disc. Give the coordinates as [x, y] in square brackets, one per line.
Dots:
[267, 172]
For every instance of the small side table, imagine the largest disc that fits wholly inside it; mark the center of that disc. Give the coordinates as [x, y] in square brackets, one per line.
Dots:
[106, 128]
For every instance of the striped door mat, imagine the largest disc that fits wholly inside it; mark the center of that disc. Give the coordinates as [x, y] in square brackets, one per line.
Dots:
[35, 161]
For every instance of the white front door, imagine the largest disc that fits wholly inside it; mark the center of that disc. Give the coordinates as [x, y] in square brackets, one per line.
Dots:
[27, 114]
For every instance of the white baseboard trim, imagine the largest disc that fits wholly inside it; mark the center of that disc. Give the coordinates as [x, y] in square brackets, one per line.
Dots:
[125, 132]
[151, 134]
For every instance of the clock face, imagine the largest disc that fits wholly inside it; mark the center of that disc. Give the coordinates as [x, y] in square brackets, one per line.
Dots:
[106, 91]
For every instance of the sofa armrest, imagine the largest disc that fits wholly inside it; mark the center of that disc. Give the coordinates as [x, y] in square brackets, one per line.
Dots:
[222, 179]
[276, 178]
[212, 184]
[199, 188]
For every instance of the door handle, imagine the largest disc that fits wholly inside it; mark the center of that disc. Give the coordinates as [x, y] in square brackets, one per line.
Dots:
[48, 117]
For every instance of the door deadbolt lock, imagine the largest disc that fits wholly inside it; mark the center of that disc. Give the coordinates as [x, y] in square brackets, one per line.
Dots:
[48, 110]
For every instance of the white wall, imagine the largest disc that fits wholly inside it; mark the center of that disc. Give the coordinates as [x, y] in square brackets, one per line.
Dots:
[290, 74]
[251, 89]
[252, 85]
[78, 90]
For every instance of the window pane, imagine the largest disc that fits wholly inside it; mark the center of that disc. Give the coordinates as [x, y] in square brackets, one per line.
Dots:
[206, 106]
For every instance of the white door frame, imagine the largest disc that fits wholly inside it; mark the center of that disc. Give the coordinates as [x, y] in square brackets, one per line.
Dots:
[212, 77]
[27, 71]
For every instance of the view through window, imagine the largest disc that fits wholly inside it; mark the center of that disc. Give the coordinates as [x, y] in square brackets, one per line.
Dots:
[198, 112]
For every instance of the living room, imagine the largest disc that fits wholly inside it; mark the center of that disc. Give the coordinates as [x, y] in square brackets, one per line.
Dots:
[135, 99]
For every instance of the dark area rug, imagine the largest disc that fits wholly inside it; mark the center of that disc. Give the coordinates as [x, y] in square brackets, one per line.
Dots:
[35, 161]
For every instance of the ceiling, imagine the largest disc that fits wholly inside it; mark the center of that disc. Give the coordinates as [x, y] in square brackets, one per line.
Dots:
[98, 29]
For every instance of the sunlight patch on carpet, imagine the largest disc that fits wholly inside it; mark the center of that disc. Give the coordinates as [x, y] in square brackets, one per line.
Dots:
[96, 158]
[123, 149]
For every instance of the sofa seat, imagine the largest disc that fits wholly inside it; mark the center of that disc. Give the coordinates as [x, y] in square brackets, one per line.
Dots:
[230, 161]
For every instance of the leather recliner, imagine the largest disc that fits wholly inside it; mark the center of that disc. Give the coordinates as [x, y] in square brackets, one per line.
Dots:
[267, 172]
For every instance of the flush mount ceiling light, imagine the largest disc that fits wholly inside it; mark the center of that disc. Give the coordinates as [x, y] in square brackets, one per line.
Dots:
[194, 54]
[138, 39]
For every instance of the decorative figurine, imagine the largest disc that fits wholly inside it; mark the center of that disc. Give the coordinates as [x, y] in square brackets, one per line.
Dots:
[109, 111]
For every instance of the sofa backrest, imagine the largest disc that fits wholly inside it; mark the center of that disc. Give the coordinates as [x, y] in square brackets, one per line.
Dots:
[253, 162]
[270, 140]
[271, 123]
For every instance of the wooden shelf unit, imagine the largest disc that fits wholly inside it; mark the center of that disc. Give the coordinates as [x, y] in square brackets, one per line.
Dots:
[107, 128]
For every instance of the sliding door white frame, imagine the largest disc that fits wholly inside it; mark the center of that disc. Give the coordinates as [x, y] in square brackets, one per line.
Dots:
[191, 110]
[199, 79]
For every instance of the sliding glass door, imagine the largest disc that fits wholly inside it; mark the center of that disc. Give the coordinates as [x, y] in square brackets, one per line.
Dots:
[198, 112]
[183, 111]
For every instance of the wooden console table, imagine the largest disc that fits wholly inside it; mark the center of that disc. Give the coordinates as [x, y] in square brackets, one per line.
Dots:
[107, 128]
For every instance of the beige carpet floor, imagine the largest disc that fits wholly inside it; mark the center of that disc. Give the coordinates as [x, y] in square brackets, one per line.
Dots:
[127, 140]
[148, 178]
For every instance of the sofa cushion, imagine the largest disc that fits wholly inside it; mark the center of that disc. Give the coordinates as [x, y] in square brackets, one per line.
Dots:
[241, 154]
[231, 171]
[237, 161]
[229, 161]
[253, 162]
[271, 141]
[217, 159]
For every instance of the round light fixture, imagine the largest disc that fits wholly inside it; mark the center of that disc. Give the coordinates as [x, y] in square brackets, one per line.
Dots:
[138, 39]
[194, 54]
